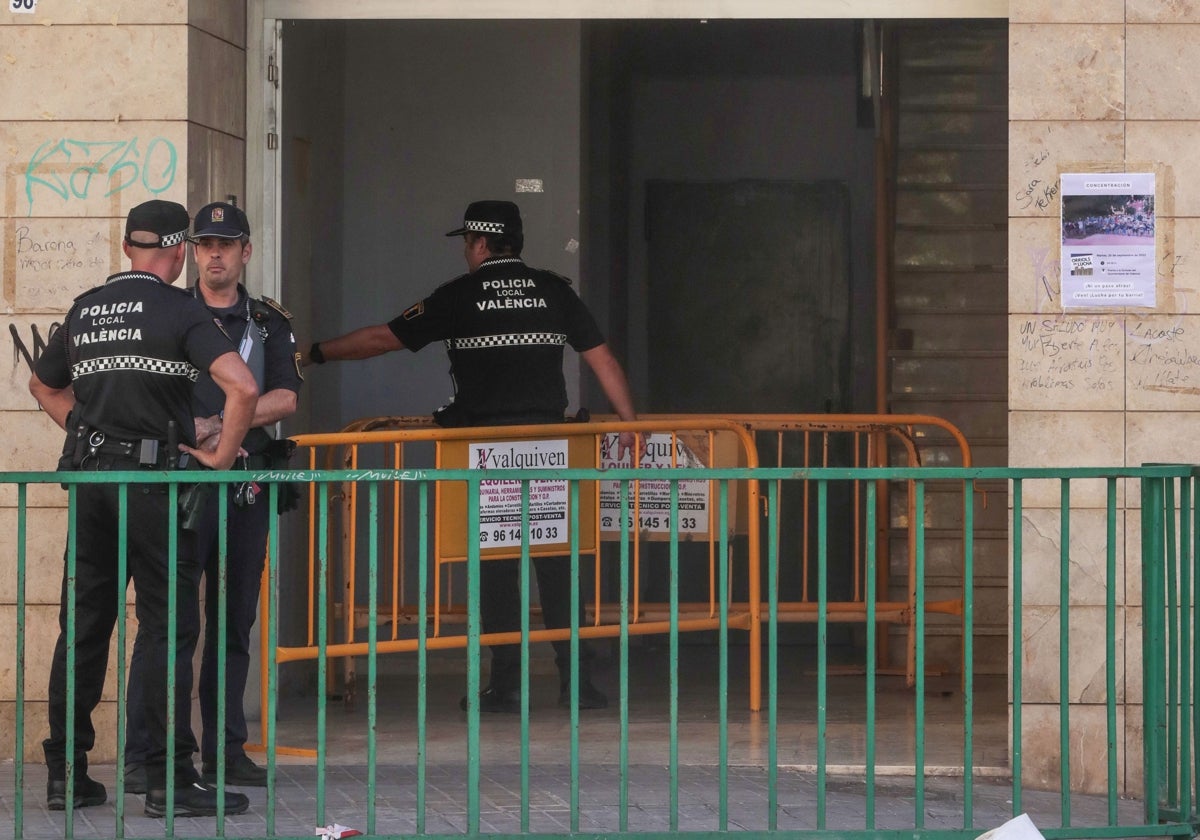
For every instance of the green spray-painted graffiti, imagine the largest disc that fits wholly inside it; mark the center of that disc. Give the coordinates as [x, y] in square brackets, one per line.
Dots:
[72, 169]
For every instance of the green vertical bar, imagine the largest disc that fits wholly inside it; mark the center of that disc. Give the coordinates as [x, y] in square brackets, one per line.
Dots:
[624, 516]
[674, 646]
[525, 658]
[772, 655]
[1064, 648]
[919, 632]
[422, 653]
[1017, 642]
[1186, 641]
[822, 646]
[172, 640]
[1194, 517]
[372, 652]
[322, 645]
[1110, 644]
[272, 631]
[871, 584]
[1152, 647]
[72, 547]
[473, 656]
[723, 657]
[1172, 625]
[968, 644]
[576, 596]
[122, 688]
[222, 640]
[19, 743]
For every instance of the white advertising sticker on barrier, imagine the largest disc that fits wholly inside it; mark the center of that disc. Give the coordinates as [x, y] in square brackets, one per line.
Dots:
[500, 499]
[659, 451]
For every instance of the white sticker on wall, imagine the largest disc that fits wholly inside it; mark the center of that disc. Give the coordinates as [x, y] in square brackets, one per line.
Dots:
[22, 7]
[525, 185]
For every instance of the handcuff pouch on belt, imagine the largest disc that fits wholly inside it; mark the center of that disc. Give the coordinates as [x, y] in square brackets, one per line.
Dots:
[274, 456]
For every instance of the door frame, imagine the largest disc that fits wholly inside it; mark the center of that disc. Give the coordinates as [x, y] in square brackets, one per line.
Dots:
[264, 49]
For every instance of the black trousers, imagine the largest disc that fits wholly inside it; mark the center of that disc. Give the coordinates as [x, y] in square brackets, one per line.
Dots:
[500, 612]
[246, 548]
[97, 590]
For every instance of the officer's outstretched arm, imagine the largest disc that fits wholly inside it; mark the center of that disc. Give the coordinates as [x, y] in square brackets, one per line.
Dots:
[232, 376]
[616, 387]
[363, 343]
[57, 402]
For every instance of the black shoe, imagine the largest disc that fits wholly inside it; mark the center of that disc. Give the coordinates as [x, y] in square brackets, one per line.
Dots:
[240, 771]
[87, 792]
[495, 700]
[195, 800]
[135, 778]
[590, 697]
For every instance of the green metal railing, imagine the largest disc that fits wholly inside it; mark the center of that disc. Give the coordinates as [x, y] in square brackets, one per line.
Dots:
[762, 800]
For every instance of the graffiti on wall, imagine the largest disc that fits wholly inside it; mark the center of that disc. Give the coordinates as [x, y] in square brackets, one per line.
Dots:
[81, 169]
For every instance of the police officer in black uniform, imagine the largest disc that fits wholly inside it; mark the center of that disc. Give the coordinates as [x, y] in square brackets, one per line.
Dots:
[118, 377]
[505, 326]
[262, 330]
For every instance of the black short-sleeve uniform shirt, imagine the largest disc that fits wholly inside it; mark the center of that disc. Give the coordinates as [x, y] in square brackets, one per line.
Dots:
[280, 369]
[505, 326]
[132, 350]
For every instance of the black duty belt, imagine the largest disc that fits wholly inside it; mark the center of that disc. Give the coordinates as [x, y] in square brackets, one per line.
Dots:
[147, 452]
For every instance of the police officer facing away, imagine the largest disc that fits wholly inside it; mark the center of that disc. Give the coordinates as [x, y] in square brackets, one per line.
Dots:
[505, 326]
[118, 377]
[263, 333]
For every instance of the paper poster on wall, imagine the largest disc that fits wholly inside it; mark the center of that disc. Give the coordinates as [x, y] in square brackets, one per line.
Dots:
[1107, 239]
[659, 451]
[500, 499]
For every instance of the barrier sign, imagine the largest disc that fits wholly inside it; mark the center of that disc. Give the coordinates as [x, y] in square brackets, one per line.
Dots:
[499, 533]
[500, 499]
[653, 498]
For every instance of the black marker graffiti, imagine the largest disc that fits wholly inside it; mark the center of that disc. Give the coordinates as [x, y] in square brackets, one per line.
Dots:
[20, 351]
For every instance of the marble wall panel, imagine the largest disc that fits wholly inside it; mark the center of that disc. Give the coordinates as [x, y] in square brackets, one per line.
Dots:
[45, 537]
[1133, 655]
[1162, 11]
[1041, 649]
[1162, 363]
[1065, 439]
[1069, 11]
[1160, 78]
[1087, 557]
[106, 77]
[31, 443]
[1066, 71]
[97, 170]
[216, 83]
[1175, 146]
[1162, 437]
[1034, 285]
[41, 633]
[221, 18]
[1059, 359]
[1038, 150]
[110, 12]
[1042, 761]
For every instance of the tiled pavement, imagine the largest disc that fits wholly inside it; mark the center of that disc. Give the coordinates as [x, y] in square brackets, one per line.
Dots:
[648, 789]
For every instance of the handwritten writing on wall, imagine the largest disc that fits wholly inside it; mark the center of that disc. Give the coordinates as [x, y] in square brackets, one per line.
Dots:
[48, 262]
[1163, 358]
[66, 169]
[1062, 361]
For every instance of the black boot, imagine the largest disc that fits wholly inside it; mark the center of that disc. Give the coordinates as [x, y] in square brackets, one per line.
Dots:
[87, 792]
[195, 800]
[496, 700]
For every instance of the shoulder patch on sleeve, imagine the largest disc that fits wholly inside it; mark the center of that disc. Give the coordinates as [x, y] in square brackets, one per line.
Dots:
[277, 306]
[414, 311]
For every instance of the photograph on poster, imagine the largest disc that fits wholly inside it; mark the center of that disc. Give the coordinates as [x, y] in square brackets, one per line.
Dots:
[1108, 227]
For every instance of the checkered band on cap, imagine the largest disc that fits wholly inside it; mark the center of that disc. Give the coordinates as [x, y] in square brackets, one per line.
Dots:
[172, 239]
[143, 363]
[484, 342]
[485, 227]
